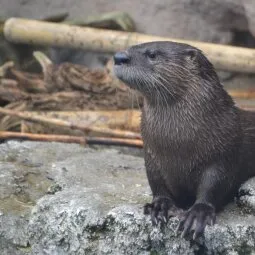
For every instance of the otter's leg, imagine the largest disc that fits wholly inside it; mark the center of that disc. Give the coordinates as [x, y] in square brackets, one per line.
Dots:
[212, 193]
[162, 206]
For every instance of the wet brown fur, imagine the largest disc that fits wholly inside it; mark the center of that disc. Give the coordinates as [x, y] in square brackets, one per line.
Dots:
[199, 147]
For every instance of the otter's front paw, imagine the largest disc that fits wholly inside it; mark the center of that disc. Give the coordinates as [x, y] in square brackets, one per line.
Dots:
[160, 209]
[196, 218]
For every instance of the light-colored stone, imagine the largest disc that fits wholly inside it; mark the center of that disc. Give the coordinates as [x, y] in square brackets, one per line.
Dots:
[63, 199]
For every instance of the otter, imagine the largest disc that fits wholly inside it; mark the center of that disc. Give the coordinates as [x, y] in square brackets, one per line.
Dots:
[199, 146]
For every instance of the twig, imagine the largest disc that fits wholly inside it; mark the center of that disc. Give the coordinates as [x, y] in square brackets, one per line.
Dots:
[115, 141]
[4, 135]
[62, 123]
[43, 60]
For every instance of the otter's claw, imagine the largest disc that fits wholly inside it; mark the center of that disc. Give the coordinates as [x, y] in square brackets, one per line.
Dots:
[159, 210]
[196, 218]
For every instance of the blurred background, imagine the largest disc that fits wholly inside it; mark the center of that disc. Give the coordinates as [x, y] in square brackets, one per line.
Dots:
[229, 22]
[219, 21]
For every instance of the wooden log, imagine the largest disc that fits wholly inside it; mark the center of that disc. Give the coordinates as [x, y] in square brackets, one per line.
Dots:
[18, 30]
[71, 139]
[41, 119]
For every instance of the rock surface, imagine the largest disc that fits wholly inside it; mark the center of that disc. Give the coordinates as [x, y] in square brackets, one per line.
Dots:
[66, 199]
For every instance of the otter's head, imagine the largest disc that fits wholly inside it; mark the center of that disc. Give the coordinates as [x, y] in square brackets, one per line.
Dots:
[164, 69]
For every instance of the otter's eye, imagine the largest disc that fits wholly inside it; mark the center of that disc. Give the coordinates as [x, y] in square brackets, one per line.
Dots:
[151, 55]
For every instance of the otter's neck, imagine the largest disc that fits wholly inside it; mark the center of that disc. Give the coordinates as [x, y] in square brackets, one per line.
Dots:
[198, 109]
[209, 93]
[190, 129]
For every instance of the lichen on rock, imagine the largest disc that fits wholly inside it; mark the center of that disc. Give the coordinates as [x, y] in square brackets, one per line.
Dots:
[59, 199]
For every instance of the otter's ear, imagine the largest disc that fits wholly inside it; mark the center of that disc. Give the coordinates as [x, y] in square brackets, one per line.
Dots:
[191, 53]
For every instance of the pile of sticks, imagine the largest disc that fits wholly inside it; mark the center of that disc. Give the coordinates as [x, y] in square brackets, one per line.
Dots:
[66, 91]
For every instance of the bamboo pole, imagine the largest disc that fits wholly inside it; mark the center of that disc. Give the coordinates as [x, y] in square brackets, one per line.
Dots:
[41, 119]
[5, 135]
[18, 30]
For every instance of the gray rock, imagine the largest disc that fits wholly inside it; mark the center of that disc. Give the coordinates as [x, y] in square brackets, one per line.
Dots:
[67, 199]
[173, 17]
[250, 14]
[247, 196]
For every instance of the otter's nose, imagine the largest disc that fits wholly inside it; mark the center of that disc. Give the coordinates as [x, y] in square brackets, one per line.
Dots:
[121, 58]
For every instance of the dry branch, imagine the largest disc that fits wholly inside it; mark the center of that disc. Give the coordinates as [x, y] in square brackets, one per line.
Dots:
[138, 143]
[18, 30]
[124, 120]
[103, 131]
[71, 139]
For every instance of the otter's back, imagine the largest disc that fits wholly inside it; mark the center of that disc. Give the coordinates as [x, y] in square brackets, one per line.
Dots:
[247, 119]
